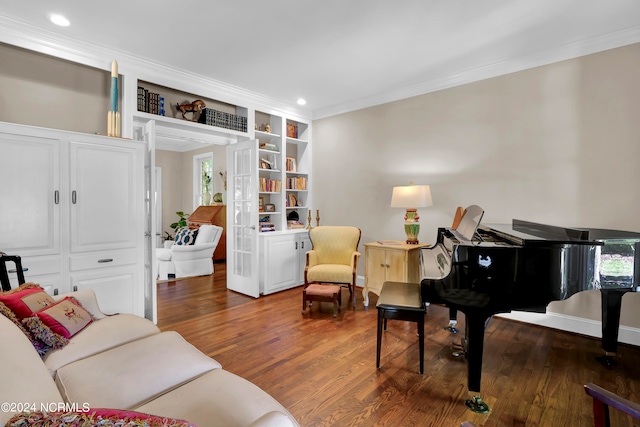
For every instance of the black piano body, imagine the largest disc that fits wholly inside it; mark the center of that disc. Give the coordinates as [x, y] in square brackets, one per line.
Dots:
[524, 266]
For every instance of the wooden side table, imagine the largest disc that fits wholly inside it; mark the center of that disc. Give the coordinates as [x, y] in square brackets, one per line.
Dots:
[389, 262]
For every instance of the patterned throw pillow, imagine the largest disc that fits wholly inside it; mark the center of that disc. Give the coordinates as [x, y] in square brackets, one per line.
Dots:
[185, 236]
[40, 346]
[66, 317]
[95, 417]
[26, 299]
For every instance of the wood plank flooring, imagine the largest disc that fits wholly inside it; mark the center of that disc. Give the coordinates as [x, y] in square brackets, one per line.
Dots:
[322, 369]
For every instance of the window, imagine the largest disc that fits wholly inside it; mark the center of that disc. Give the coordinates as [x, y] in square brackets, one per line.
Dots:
[202, 179]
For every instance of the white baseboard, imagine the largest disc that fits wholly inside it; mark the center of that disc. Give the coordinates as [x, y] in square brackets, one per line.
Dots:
[578, 325]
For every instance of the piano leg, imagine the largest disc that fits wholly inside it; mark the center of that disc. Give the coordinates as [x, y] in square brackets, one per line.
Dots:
[611, 305]
[475, 324]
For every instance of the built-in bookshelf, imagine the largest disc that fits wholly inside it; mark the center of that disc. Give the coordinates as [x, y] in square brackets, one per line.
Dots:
[297, 165]
[283, 169]
[268, 132]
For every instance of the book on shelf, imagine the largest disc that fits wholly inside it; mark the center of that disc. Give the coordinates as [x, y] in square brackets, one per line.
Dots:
[297, 183]
[292, 225]
[267, 226]
[291, 164]
[291, 201]
[268, 146]
[292, 131]
[142, 99]
[221, 119]
[150, 102]
[270, 185]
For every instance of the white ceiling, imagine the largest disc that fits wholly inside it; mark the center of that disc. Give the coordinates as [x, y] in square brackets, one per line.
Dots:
[341, 55]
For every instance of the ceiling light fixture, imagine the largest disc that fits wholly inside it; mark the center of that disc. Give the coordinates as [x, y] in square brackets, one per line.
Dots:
[301, 101]
[59, 20]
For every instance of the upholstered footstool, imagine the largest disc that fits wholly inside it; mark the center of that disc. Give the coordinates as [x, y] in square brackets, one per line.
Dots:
[322, 293]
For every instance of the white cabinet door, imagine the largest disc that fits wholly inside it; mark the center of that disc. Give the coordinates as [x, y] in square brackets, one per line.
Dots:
[117, 289]
[304, 245]
[279, 260]
[103, 186]
[30, 194]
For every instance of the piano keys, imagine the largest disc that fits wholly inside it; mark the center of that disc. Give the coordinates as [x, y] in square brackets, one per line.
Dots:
[524, 266]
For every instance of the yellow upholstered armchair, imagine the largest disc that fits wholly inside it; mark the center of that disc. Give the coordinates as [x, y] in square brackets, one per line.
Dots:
[333, 259]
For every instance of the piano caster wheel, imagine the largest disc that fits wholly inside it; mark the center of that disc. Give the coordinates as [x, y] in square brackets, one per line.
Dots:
[607, 361]
[452, 329]
[477, 405]
[458, 350]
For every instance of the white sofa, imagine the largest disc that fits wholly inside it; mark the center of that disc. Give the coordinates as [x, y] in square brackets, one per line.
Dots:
[125, 362]
[189, 260]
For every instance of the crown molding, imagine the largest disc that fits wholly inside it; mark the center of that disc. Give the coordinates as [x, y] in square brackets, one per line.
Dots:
[47, 42]
[33, 38]
[561, 53]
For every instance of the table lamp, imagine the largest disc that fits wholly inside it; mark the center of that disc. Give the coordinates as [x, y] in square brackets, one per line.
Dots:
[411, 197]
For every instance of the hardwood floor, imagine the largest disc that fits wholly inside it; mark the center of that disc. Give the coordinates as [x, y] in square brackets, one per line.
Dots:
[322, 369]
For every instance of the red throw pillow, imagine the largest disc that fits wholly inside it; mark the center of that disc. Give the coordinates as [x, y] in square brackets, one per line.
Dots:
[26, 300]
[66, 317]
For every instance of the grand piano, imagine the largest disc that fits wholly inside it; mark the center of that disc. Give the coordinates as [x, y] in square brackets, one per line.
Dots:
[482, 270]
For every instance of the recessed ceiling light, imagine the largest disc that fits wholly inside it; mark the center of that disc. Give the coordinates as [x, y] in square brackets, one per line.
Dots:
[301, 101]
[59, 20]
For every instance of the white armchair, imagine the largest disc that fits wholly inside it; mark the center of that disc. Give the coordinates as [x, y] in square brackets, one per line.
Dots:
[189, 260]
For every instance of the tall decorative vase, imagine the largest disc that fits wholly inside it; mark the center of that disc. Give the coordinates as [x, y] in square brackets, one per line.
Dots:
[224, 197]
[206, 199]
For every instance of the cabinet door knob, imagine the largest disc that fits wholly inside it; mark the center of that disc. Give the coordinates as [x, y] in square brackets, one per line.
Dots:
[103, 260]
[296, 245]
[56, 197]
[73, 197]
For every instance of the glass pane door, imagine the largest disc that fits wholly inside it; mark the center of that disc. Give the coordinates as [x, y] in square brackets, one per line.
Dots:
[242, 218]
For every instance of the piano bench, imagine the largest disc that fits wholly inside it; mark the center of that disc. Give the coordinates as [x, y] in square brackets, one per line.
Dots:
[401, 301]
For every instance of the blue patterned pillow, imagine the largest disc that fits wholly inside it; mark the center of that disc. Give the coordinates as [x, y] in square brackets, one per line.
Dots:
[185, 236]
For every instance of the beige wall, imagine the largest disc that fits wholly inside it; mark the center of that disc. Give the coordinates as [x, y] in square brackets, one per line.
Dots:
[41, 90]
[557, 144]
[172, 184]
[177, 180]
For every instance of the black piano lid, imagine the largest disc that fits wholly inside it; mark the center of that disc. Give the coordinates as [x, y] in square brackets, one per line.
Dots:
[526, 232]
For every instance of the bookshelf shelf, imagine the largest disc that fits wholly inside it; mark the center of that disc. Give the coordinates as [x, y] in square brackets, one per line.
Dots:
[296, 141]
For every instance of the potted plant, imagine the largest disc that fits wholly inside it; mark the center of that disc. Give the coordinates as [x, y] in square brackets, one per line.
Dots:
[182, 222]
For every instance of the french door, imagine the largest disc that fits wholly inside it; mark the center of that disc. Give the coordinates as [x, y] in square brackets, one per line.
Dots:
[242, 218]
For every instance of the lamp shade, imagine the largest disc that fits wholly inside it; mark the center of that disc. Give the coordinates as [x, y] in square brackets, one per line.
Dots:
[411, 197]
